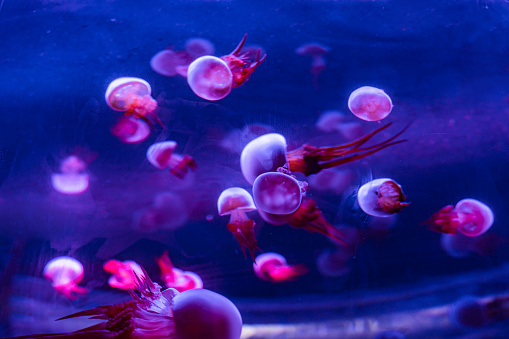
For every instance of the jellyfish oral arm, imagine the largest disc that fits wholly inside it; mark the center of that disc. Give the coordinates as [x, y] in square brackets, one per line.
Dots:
[243, 230]
[70, 290]
[444, 221]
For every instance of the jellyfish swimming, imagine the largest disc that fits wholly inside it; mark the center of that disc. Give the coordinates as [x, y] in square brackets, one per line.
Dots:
[273, 267]
[381, 198]
[130, 130]
[176, 278]
[157, 313]
[469, 217]
[236, 202]
[161, 155]
[370, 103]
[277, 193]
[132, 96]
[213, 78]
[123, 273]
[65, 273]
[316, 51]
[72, 179]
[170, 63]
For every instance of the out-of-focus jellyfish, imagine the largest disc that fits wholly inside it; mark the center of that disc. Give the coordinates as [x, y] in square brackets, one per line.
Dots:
[333, 180]
[316, 51]
[73, 179]
[161, 155]
[130, 130]
[65, 273]
[333, 264]
[167, 212]
[176, 278]
[123, 273]
[198, 47]
[334, 121]
[381, 198]
[213, 78]
[236, 201]
[132, 96]
[461, 246]
[471, 312]
[370, 103]
[237, 139]
[193, 314]
[169, 63]
[273, 267]
[470, 217]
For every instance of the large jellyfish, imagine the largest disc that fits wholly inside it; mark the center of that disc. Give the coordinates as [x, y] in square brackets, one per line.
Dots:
[381, 198]
[176, 278]
[273, 267]
[65, 273]
[370, 103]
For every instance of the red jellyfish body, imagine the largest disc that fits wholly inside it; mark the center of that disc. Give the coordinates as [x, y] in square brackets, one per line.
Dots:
[130, 130]
[274, 268]
[470, 217]
[176, 278]
[381, 198]
[65, 273]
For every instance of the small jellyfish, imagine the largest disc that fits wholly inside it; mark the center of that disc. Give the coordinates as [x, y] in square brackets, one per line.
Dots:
[318, 64]
[370, 103]
[176, 278]
[381, 198]
[130, 131]
[277, 193]
[65, 273]
[274, 268]
[236, 201]
[73, 179]
[470, 217]
[132, 96]
[198, 47]
[123, 273]
[472, 312]
[169, 62]
[161, 155]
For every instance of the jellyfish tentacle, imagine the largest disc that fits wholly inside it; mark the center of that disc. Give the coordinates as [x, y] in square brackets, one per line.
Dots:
[244, 233]
[443, 221]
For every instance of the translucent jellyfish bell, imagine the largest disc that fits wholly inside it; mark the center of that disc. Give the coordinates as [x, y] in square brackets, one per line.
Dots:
[370, 103]
[161, 155]
[381, 198]
[273, 267]
[121, 91]
[277, 193]
[210, 78]
[72, 180]
[264, 154]
[65, 273]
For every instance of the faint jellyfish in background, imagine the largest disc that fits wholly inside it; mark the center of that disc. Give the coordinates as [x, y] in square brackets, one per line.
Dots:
[176, 278]
[168, 212]
[318, 64]
[462, 246]
[381, 198]
[130, 130]
[470, 217]
[370, 103]
[334, 121]
[237, 139]
[162, 156]
[72, 179]
[65, 273]
[273, 267]
[332, 180]
[236, 202]
[472, 312]
[198, 47]
[123, 273]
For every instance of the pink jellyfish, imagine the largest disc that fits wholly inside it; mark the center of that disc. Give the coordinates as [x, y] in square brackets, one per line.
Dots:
[381, 198]
[192, 314]
[370, 103]
[176, 278]
[73, 179]
[161, 155]
[132, 96]
[470, 217]
[236, 201]
[316, 51]
[123, 273]
[277, 193]
[130, 131]
[213, 78]
[65, 273]
[169, 63]
[274, 268]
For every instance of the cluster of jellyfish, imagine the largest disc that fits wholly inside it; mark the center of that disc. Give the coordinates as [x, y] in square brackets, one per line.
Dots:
[184, 309]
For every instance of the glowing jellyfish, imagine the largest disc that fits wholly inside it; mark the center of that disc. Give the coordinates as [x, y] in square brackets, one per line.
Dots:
[213, 78]
[162, 155]
[277, 193]
[471, 312]
[123, 273]
[316, 51]
[236, 201]
[73, 179]
[193, 314]
[470, 217]
[131, 131]
[132, 96]
[370, 103]
[274, 268]
[65, 273]
[176, 278]
[381, 198]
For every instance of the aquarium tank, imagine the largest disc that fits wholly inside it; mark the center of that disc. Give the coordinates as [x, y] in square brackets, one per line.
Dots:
[229, 169]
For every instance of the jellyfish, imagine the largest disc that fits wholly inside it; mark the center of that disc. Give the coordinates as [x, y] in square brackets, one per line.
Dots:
[334, 121]
[167, 212]
[170, 63]
[316, 51]
[236, 202]
[176, 278]
[472, 312]
[273, 267]
[213, 78]
[132, 96]
[157, 313]
[65, 273]
[161, 155]
[370, 103]
[123, 273]
[72, 179]
[381, 198]
[277, 193]
[470, 217]
[130, 131]
[198, 47]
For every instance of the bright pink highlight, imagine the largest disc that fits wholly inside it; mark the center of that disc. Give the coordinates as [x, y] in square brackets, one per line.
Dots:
[274, 268]
[123, 273]
[162, 155]
[176, 278]
[65, 273]
[72, 180]
[370, 103]
[130, 130]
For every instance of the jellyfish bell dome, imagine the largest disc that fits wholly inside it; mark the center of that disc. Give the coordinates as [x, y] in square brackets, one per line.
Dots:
[235, 198]
[70, 183]
[483, 217]
[277, 193]
[367, 198]
[121, 89]
[210, 78]
[263, 154]
[63, 270]
[370, 103]
[159, 154]
[266, 258]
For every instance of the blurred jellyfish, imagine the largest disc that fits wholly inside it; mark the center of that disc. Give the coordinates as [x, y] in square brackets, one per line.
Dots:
[130, 131]
[123, 273]
[237, 139]
[167, 212]
[316, 51]
[176, 278]
[198, 47]
[334, 121]
[273, 267]
[333, 263]
[161, 155]
[381, 198]
[236, 201]
[462, 246]
[65, 273]
[370, 103]
[470, 217]
[170, 63]
[335, 181]
[471, 312]
[73, 179]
